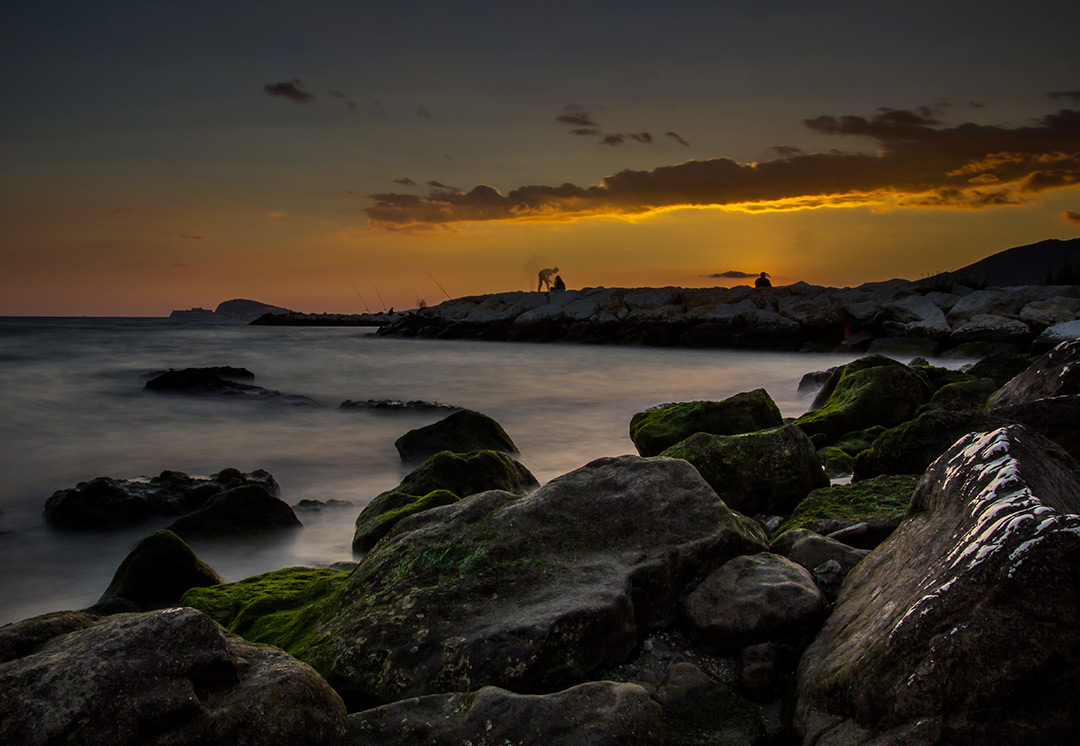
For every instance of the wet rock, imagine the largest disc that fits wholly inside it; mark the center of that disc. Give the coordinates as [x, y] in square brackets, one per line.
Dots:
[599, 713]
[20, 639]
[992, 328]
[317, 505]
[1056, 373]
[241, 510]
[217, 382]
[1001, 367]
[875, 505]
[154, 575]
[966, 616]
[1056, 417]
[965, 395]
[699, 710]
[836, 462]
[766, 472]
[662, 427]
[814, 380]
[812, 550]
[170, 676]
[441, 480]
[460, 432]
[396, 405]
[531, 593]
[105, 502]
[754, 599]
[1052, 336]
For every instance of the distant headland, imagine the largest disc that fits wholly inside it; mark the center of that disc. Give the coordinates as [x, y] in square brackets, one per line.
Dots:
[238, 309]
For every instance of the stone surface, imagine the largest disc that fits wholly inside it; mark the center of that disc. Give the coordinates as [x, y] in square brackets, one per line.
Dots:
[662, 427]
[242, 510]
[166, 677]
[530, 593]
[1052, 336]
[754, 599]
[397, 405]
[1056, 417]
[767, 472]
[105, 502]
[460, 432]
[600, 713]
[155, 574]
[811, 550]
[967, 614]
[217, 382]
[1056, 373]
[986, 327]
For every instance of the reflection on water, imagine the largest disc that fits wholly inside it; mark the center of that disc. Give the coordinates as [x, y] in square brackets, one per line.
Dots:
[72, 408]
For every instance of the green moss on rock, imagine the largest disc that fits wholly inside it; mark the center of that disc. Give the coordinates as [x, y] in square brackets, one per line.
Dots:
[836, 461]
[384, 512]
[659, 428]
[460, 432]
[856, 442]
[828, 509]
[970, 394]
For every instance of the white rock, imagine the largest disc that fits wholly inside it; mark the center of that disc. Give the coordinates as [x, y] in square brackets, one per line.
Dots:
[986, 326]
[1050, 311]
[1058, 333]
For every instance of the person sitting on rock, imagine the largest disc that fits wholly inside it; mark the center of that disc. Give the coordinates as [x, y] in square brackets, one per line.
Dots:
[545, 278]
[763, 281]
[559, 284]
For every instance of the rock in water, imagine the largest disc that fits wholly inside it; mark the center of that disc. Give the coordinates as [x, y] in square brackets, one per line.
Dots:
[170, 676]
[237, 511]
[460, 432]
[965, 620]
[764, 472]
[155, 575]
[594, 714]
[661, 427]
[529, 593]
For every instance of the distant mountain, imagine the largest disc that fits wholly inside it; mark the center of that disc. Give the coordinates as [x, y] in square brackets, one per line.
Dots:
[238, 309]
[1025, 265]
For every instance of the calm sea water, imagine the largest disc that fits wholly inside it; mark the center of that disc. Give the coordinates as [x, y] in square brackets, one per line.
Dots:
[72, 408]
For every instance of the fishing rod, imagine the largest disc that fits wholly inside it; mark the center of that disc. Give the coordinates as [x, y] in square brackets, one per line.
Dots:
[361, 298]
[440, 286]
[377, 293]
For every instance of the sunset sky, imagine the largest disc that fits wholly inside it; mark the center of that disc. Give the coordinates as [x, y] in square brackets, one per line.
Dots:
[337, 156]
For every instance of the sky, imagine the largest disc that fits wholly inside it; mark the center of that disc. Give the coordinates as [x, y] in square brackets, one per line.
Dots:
[350, 156]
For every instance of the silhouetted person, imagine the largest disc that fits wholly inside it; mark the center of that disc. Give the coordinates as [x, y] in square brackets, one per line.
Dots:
[545, 278]
[559, 284]
[763, 281]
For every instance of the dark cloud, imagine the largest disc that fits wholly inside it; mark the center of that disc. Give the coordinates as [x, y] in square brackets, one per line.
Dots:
[733, 274]
[976, 104]
[1073, 96]
[677, 138]
[585, 131]
[613, 139]
[786, 151]
[440, 185]
[422, 112]
[1071, 216]
[405, 181]
[644, 137]
[912, 161]
[290, 89]
[576, 115]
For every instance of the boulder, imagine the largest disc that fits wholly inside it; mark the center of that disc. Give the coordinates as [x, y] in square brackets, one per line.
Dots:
[1045, 312]
[965, 619]
[873, 508]
[986, 327]
[107, 503]
[155, 575]
[529, 593]
[913, 446]
[1052, 336]
[856, 442]
[242, 510]
[170, 676]
[460, 432]
[257, 608]
[23, 638]
[698, 710]
[441, 480]
[1055, 417]
[217, 382]
[1001, 367]
[661, 427]
[599, 713]
[964, 395]
[870, 391]
[765, 472]
[754, 599]
[1056, 373]
[916, 316]
[811, 550]
[836, 462]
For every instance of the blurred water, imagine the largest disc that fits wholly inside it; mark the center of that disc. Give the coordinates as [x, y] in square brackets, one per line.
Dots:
[72, 408]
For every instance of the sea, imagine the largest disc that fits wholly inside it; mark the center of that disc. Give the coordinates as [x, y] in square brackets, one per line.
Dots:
[72, 408]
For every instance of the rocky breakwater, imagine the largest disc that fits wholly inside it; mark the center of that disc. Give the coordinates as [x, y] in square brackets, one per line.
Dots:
[790, 317]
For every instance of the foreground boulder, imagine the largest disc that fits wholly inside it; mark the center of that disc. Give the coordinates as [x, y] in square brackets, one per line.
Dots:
[460, 432]
[106, 503]
[155, 575]
[600, 713]
[242, 510]
[766, 472]
[441, 480]
[964, 624]
[1057, 373]
[170, 676]
[528, 593]
[662, 427]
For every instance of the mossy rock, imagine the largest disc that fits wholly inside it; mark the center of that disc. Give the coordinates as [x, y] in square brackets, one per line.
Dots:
[884, 394]
[661, 427]
[384, 512]
[265, 607]
[836, 462]
[765, 472]
[1001, 367]
[460, 432]
[241, 510]
[937, 377]
[154, 575]
[441, 480]
[856, 442]
[913, 446]
[830, 509]
[971, 394]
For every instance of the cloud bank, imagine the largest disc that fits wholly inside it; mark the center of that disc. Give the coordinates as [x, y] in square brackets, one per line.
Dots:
[290, 89]
[916, 161]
